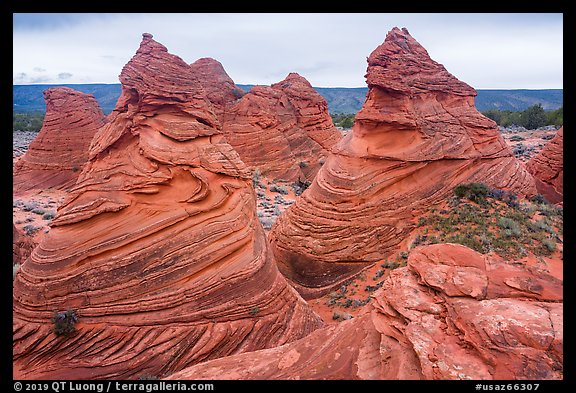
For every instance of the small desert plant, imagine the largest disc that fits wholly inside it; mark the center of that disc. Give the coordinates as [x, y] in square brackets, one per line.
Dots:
[516, 138]
[256, 177]
[30, 229]
[379, 273]
[475, 192]
[254, 311]
[65, 323]
[49, 215]
[300, 186]
[266, 222]
[511, 227]
[280, 189]
[28, 206]
[302, 164]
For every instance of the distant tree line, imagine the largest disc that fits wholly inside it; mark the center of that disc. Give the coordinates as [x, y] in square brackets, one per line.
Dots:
[27, 121]
[530, 118]
[344, 120]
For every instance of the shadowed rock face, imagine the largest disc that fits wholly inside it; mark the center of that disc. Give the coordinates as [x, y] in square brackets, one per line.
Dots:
[547, 167]
[452, 313]
[56, 156]
[284, 130]
[157, 248]
[417, 136]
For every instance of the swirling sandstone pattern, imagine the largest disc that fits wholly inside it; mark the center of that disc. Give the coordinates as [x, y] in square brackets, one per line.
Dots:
[417, 136]
[56, 156]
[284, 129]
[548, 169]
[157, 248]
[452, 313]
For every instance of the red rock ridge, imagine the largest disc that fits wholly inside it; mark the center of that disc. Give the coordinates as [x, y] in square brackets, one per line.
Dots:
[547, 167]
[284, 130]
[417, 136]
[451, 314]
[157, 248]
[56, 156]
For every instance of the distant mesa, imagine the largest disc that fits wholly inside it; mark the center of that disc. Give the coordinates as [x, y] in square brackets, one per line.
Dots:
[547, 167]
[417, 136]
[284, 129]
[57, 155]
[451, 314]
[156, 259]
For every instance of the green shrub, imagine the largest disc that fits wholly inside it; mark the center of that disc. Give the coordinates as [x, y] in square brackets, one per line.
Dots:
[475, 192]
[280, 189]
[511, 227]
[65, 323]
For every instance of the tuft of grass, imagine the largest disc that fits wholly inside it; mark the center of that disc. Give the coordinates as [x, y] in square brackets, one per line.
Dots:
[280, 189]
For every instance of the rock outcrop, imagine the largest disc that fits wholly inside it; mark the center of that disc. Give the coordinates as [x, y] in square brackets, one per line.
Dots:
[56, 156]
[284, 129]
[219, 88]
[157, 252]
[417, 136]
[452, 313]
[22, 246]
[547, 167]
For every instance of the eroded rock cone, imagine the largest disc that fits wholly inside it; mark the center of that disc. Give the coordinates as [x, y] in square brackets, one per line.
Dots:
[157, 257]
[284, 130]
[417, 136]
[452, 313]
[547, 167]
[220, 89]
[56, 156]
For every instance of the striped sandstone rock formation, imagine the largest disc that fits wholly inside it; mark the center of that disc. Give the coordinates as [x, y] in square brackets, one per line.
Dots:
[417, 136]
[284, 130]
[157, 248]
[56, 156]
[547, 167]
[450, 314]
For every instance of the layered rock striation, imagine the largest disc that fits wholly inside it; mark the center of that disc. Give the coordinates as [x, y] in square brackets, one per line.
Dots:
[452, 313]
[284, 129]
[417, 136]
[547, 167]
[220, 89]
[58, 153]
[157, 250]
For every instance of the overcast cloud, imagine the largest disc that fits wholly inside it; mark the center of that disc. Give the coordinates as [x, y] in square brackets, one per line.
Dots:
[487, 51]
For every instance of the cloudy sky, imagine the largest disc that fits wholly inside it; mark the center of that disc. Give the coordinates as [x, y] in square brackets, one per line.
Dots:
[487, 51]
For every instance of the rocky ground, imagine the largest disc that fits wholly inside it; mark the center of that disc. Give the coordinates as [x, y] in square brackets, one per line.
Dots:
[527, 143]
